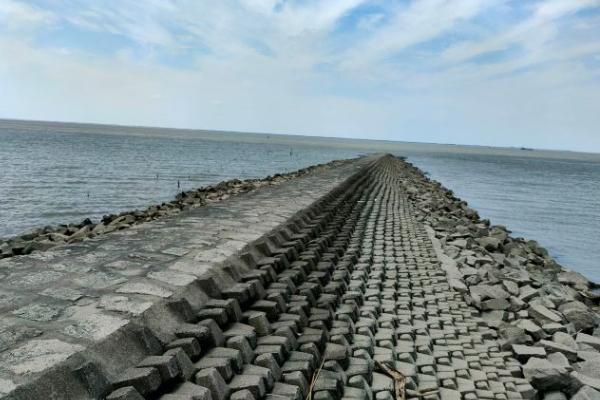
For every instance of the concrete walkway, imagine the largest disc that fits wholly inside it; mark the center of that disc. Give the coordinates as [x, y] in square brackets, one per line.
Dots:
[269, 295]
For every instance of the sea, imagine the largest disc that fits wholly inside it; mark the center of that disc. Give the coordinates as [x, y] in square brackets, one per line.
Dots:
[53, 173]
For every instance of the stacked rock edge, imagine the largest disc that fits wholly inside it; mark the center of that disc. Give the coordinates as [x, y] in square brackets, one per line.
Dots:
[388, 269]
[48, 237]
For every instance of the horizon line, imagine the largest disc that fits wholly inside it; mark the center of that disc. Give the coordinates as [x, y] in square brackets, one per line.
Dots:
[341, 138]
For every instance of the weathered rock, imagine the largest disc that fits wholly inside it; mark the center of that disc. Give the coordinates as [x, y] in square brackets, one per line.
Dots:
[586, 393]
[584, 339]
[574, 279]
[579, 315]
[523, 353]
[543, 375]
[511, 287]
[531, 328]
[542, 314]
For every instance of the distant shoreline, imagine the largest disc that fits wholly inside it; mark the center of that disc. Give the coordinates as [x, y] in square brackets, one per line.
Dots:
[374, 145]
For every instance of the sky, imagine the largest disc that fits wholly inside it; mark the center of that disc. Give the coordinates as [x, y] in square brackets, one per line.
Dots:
[485, 72]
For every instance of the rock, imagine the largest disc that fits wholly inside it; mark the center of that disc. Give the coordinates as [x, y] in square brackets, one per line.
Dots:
[527, 293]
[581, 318]
[81, 233]
[585, 339]
[558, 293]
[555, 396]
[559, 359]
[126, 219]
[42, 245]
[484, 292]
[495, 304]
[513, 334]
[523, 353]
[590, 368]
[579, 380]
[511, 287]
[586, 393]
[457, 285]
[564, 339]
[574, 279]
[531, 328]
[500, 232]
[125, 393]
[553, 347]
[489, 243]
[542, 314]
[553, 327]
[543, 375]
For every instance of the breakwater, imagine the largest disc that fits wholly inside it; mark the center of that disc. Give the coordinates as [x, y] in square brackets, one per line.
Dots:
[44, 238]
[363, 281]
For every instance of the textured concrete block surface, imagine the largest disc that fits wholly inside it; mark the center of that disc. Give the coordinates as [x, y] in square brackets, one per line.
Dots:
[362, 281]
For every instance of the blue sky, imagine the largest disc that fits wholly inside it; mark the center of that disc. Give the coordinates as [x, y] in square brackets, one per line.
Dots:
[487, 72]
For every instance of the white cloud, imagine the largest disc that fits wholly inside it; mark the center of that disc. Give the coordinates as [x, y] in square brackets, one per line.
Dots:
[16, 15]
[267, 65]
[419, 22]
[535, 31]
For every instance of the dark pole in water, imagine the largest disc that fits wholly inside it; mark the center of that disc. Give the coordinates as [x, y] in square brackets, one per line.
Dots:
[178, 184]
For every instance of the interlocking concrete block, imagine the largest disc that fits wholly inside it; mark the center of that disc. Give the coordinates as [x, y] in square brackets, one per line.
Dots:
[166, 365]
[211, 379]
[188, 391]
[183, 362]
[268, 361]
[253, 383]
[190, 345]
[144, 380]
[125, 393]
[242, 395]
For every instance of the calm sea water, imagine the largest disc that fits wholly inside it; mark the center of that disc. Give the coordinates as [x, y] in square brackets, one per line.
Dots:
[55, 173]
[556, 202]
[55, 177]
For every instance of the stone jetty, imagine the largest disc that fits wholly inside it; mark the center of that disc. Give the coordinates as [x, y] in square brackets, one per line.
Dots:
[364, 281]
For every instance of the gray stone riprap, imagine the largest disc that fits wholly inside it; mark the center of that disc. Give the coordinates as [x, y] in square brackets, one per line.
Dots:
[545, 315]
[115, 299]
[272, 294]
[42, 239]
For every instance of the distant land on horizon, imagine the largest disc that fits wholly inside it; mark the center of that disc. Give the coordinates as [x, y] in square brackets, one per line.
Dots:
[363, 144]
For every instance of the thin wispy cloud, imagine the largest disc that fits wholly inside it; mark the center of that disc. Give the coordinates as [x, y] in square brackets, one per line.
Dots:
[495, 72]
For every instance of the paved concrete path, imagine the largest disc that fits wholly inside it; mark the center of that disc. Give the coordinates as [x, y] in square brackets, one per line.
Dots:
[330, 303]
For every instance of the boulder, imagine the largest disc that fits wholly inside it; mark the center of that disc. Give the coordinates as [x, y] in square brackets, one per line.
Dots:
[541, 314]
[531, 328]
[485, 291]
[586, 393]
[544, 375]
[511, 287]
[564, 339]
[584, 340]
[491, 244]
[523, 353]
[574, 279]
[527, 293]
[579, 315]
[553, 347]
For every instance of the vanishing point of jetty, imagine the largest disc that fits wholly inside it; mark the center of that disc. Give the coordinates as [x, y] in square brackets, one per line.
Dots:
[364, 280]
